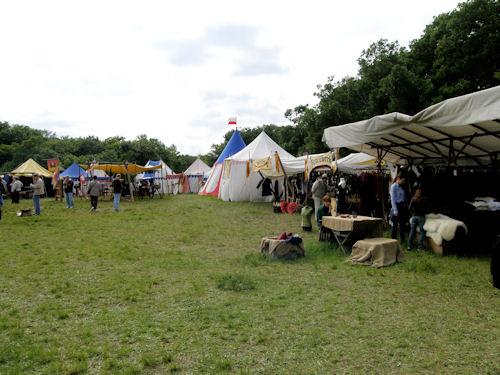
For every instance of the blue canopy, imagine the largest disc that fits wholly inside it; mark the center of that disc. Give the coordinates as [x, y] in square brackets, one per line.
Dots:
[234, 145]
[73, 171]
[151, 174]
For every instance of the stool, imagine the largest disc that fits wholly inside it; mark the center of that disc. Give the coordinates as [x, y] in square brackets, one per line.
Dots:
[377, 252]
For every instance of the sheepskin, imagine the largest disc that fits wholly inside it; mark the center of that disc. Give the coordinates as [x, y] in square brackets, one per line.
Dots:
[441, 227]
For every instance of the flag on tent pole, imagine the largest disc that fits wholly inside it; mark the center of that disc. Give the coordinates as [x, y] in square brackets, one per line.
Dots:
[231, 121]
[53, 164]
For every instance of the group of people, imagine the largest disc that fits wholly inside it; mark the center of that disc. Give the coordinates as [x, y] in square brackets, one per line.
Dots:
[38, 187]
[401, 211]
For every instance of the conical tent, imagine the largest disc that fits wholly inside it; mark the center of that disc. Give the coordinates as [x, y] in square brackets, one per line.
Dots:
[212, 185]
[29, 167]
[241, 180]
[193, 176]
[73, 171]
[158, 176]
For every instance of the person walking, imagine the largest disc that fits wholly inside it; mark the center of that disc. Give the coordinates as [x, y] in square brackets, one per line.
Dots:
[93, 190]
[38, 190]
[68, 192]
[15, 189]
[319, 190]
[117, 191]
[399, 205]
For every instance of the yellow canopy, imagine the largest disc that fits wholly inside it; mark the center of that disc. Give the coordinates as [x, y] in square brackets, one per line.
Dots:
[121, 168]
[29, 167]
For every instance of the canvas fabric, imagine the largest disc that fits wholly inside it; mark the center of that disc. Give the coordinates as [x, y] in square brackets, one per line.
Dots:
[376, 252]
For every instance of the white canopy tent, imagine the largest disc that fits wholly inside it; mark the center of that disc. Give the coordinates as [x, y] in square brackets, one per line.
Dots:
[360, 162]
[462, 131]
[243, 172]
[159, 177]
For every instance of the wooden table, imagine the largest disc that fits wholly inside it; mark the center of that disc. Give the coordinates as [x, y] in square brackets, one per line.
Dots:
[348, 229]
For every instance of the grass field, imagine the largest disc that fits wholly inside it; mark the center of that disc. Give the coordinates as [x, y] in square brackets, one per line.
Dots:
[176, 285]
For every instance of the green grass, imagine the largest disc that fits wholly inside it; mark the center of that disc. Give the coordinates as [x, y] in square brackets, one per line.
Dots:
[177, 286]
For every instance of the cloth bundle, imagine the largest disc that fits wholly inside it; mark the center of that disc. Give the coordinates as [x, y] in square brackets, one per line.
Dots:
[288, 247]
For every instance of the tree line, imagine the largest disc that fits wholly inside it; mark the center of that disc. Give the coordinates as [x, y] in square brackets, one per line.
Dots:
[458, 53]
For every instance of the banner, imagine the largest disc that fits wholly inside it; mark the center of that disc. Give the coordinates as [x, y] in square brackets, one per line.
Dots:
[56, 177]
[264, 163]
[227, 167]
[53, 165]
[323, 160]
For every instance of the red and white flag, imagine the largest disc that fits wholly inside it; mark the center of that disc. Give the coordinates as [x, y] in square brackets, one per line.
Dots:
[231, 121]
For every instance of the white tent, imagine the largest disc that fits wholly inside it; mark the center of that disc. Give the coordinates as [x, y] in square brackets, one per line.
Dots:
[243, 172]
[353, 164]
[462, 131]
[193, 176]
[359, 162]
[159, 177]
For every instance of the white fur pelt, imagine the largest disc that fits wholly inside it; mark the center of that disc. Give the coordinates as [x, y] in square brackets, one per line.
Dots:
[439, 227]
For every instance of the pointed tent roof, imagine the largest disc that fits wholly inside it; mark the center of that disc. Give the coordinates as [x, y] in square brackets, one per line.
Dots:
[73, 171]
[261, 147]
[165, 169]
[234, 145]
[198, 167]
[29, 167]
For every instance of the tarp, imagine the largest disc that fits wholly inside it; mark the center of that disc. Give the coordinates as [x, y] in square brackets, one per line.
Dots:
[212, 185]
[242, 179]
[73, 171]
[459, 131]
[120, 168]
[29, 167]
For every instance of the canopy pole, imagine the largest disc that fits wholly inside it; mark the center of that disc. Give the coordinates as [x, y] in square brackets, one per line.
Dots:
[382, 185]
[286, 177]
[131, 187]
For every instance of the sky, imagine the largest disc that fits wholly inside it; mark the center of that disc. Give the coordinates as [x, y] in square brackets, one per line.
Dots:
[176, 71]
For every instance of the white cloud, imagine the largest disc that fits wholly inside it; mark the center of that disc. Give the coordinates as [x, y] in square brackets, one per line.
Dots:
[177, 71]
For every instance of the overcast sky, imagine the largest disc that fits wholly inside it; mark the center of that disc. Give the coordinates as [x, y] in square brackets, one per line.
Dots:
[177, 70]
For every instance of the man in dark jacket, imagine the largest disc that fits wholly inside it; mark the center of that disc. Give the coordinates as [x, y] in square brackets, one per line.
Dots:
[93, 190]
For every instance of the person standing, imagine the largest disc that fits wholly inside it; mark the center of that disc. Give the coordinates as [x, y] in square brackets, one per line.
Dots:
[319, 190]
[418, 209]
[38, 190]
[93, 190]
[1, 199]
[117, 191]
[15, 189]
[68, 192]
[399, 205]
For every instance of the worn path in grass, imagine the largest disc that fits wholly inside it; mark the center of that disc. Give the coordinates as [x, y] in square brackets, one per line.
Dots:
[176, 285]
